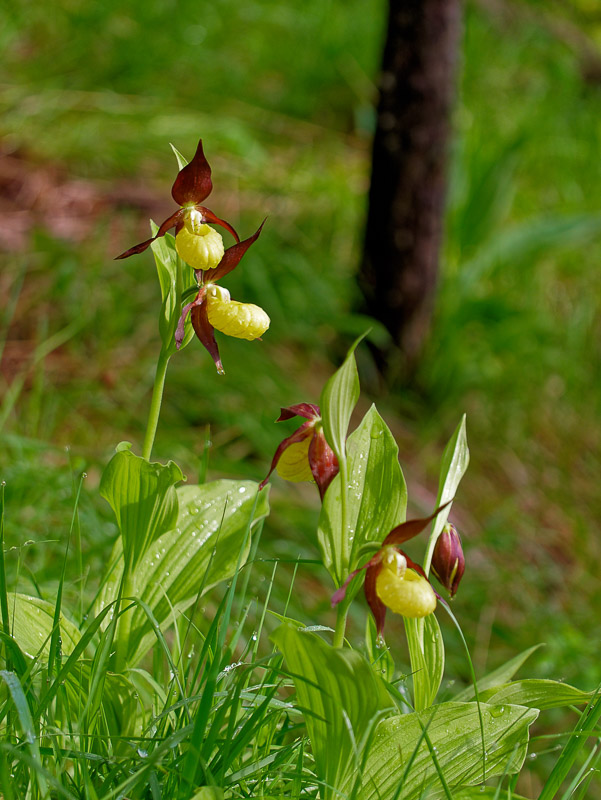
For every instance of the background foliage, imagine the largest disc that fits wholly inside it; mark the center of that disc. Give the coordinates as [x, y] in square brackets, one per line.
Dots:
[92, 93]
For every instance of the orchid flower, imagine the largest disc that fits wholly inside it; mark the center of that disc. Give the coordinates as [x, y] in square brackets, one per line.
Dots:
[192, 185]
[202, 248]
[305, 455]
[393, 580]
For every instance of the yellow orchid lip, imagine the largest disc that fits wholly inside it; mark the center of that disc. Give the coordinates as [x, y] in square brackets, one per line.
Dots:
[408, 593]
[294, 462]
[191, 187]
[241, 320]
[202, 249]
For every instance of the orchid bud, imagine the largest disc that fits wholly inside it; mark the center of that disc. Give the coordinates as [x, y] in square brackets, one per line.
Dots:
[448, 562]
[202, 250]
[401, 589]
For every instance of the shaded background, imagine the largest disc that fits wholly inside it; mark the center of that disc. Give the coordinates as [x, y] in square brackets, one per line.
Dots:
[283, 97]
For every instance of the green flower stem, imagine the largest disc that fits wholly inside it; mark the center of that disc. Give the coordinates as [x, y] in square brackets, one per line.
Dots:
[340, 630]
[155, 403]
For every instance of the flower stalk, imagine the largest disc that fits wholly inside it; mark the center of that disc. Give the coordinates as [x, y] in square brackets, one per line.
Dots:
[156, 402]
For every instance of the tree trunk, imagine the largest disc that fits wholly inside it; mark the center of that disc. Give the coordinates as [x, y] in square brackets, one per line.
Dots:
[398, 275]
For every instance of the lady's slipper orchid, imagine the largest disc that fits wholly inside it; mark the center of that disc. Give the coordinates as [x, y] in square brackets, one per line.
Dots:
[212, 308]
[305, 455]
[393, 580]
[192, 185]
[201, 247]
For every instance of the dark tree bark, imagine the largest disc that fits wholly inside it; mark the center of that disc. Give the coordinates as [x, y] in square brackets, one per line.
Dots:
[398, 275]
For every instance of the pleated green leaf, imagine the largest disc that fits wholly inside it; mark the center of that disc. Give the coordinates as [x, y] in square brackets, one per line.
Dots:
[174, 276]
[338, 399]
[201, 550]
[376, 499]
[486, 793]
[142, 495]
[454, 733]
[380, 657]
[32, 625]
[455, 460]
[424, 637]
[426, 651]
[537, 693]
[342, 699]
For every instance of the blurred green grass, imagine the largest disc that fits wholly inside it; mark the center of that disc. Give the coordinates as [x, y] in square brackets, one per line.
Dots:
[282, 98]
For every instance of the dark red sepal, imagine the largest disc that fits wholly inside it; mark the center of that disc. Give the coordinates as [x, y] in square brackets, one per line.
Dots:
[208, 216]
[232, 257]
[193, 183]
[378, 609]
[205, 332]
[306, 410]
[303, 432]
[172, 221]
[407, 530]
[323, 462]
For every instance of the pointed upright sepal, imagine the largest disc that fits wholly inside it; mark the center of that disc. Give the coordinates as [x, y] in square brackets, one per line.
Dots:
[193, 183]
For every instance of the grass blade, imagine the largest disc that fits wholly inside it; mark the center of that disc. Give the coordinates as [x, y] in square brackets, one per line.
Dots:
[583, 729]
